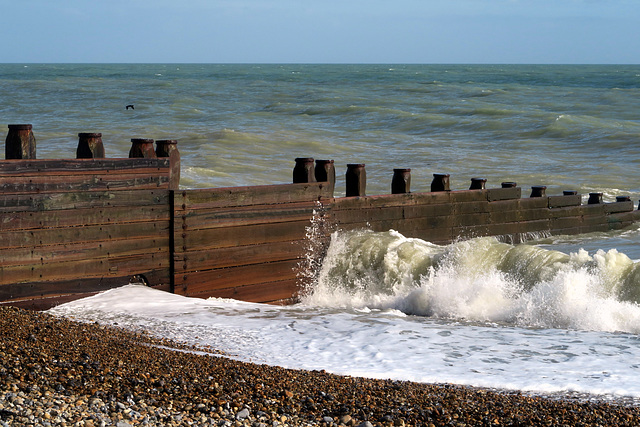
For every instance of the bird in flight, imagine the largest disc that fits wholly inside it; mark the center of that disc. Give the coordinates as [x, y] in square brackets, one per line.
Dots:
[130, 106]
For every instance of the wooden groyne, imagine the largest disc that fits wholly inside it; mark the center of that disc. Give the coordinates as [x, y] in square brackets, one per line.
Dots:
[71, 228]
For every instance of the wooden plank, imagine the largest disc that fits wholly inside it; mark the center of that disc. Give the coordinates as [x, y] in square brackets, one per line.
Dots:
[241, 236]
[80, 200]
[269, 292]
[201, 281]
[120, 264]
[251, 195]
[95, 182]
[79, 166]
[616, 207]
[91, 233]
[240, 255]
[13, 221]
[245, 215]
[78, 285]
[563, 201]
[64, 251]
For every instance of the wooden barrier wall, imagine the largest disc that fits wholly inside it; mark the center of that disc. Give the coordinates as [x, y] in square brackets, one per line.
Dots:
[243, 242]
[70, 228]
[443, 217]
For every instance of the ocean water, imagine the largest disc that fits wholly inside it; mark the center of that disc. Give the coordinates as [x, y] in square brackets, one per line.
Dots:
[557, 314]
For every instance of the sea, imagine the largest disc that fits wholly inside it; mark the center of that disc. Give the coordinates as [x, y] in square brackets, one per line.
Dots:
[554, 315]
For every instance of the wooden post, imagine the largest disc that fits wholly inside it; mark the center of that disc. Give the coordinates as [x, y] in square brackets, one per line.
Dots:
[538, 191]
[478, 183]
[623, 199]
[509, 184]
[440, 182]
[356, 178]
[304, 171]
[569, 193]
[169, 148]
[595, 198]
[90, 146]
[20, 143]
[141, 147]
[401, 182]
[326, 172]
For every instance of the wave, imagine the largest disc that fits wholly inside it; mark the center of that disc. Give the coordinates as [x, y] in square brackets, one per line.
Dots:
[480, 280]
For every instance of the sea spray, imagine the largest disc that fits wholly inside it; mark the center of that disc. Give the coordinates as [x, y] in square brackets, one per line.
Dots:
[480, 280]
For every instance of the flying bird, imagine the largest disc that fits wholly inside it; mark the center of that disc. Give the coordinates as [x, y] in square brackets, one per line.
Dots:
[130, 106]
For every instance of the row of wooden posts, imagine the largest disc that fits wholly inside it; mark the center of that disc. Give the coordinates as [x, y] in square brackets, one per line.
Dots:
[356, 180]
[21, 144]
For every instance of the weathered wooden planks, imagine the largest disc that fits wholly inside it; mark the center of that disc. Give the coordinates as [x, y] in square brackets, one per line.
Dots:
[75, 227]
[242, 241]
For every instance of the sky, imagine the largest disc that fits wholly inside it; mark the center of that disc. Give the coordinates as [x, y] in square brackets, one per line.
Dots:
[320, 31]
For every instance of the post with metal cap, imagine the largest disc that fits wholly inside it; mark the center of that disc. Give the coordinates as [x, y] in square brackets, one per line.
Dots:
[326, 172]
[90, 146]
[141, 147]
[538, 191]
[169, 148]
[440, 182]
[20, 142]
[594, 199]
[478, 183]
[356, 178]
[304, 171]
[401, 182]
[569, 193]
[509, 184]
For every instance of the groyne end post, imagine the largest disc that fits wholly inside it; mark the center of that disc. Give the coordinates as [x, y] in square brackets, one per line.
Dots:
[20, 142]
[623, 199]
[594, 198]
[509, 184]
[90, 146]
[356, 180]
[326, 172]
[440, 182]
[538, 191]
[142, 147]
[304, 170]
[478, 183]
[569, 193]
[401, 182]
[169, 148]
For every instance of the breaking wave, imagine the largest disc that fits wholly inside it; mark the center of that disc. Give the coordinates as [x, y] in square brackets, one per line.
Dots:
[480, 280]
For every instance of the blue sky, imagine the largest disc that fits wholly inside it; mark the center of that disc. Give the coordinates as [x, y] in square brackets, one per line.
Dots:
[321, 31]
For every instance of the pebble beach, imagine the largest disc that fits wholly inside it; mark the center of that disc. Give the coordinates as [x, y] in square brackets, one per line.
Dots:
[58, 372]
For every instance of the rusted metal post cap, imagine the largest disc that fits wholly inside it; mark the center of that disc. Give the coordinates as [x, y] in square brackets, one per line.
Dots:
[142, 147]
[356, 180]
[401, 181]
[623, 199]
[90, 146]
[20, 142]
[304, 170]
[440, 182]
[478, 183]
[509, 184]
[595, 198]
[538, 191]
[569, 193]
[164, 147]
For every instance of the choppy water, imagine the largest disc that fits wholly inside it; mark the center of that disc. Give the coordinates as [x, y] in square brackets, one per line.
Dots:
[556, 314]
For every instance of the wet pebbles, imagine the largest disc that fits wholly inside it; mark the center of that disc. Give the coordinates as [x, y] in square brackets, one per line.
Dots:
[56, 372]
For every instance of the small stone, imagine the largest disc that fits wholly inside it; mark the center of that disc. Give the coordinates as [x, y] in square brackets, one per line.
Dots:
[243, 414]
